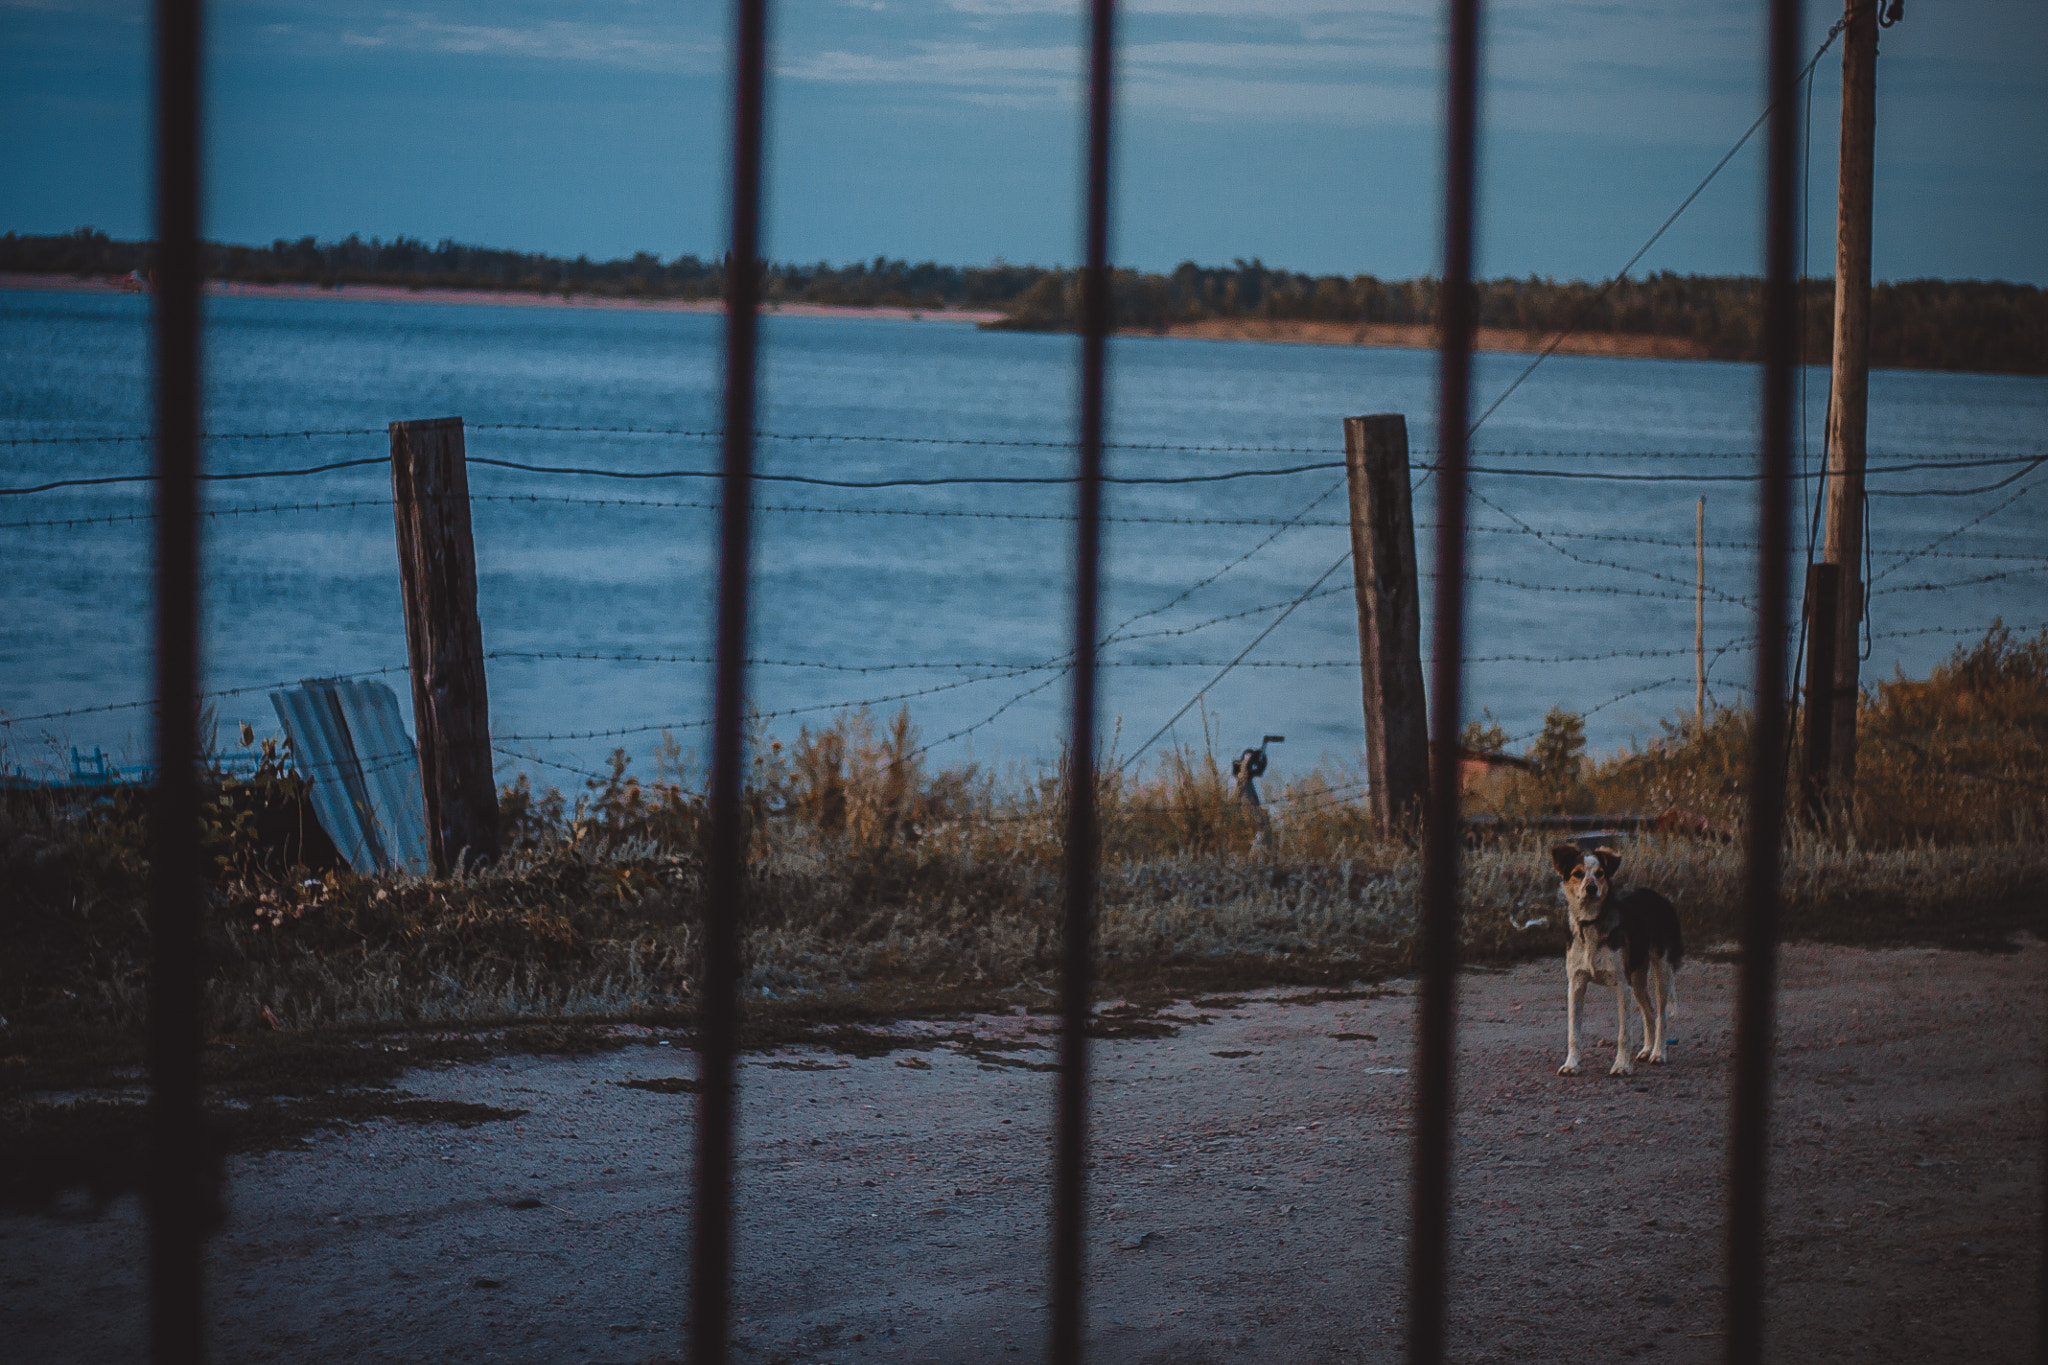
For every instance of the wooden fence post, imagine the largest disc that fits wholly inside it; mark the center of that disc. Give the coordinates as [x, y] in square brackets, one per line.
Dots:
[1823, 614]
[444, 641]
[1389, 616]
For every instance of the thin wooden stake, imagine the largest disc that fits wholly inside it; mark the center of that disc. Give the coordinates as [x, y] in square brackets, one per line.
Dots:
[1699, 616]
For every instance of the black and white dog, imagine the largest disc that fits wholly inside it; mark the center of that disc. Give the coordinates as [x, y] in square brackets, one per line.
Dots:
[1630, 942]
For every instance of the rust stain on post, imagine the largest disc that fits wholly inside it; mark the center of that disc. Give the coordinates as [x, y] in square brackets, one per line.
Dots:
[1823, 614]
[444, 641]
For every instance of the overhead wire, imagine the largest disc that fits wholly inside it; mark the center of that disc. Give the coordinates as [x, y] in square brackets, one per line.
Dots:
[2032, 464]
[1117, 633]
[1342, 560]
[1942, 539]
[217, 692]
[1586, 308]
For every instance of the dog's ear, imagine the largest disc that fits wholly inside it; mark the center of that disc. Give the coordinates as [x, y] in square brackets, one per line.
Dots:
[1609, 859]
[1565, 857]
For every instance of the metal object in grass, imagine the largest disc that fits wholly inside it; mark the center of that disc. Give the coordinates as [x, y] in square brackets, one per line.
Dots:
[1249, 766]
[349, 743]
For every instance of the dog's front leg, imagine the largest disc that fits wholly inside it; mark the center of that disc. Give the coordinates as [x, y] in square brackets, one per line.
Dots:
[1622, 1065]
[1645, 989]
[1574, 994]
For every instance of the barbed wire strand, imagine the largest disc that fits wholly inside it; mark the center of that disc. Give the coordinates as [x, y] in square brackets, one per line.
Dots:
[218, 692]
[961, 664]
[968, 514]
[884, 438]
[1274, 625]
[1958, 583]
[1928, 549]
[2031, 462]
[1585, 309]
[1544, 538]
[1117, 633]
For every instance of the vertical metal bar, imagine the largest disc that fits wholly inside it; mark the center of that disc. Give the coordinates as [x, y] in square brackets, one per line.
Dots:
[180, 1176]
[1076, 985]
[1756, 1001]
[1438, 931]
[725, 859]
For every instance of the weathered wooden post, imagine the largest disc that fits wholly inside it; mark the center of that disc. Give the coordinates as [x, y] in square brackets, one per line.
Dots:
[1849, 384]
[1823, 615]
[444, 641]
[1389, 617]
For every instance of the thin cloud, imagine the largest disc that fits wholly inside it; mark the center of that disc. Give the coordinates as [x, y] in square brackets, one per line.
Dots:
[561, 40]
[1237, 79]
[1223, 9]
[973, 67]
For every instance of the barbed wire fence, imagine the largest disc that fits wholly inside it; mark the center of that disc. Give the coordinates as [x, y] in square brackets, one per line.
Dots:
[1038, 674]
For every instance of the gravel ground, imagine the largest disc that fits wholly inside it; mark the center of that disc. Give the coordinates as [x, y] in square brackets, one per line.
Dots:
[1247, 1193]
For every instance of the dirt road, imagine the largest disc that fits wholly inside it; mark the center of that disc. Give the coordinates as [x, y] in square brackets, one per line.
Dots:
[1248, 1194]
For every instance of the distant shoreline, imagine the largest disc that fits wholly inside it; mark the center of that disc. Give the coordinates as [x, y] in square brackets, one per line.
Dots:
[1423, 337]
[1284, 331]
[1959, 326]
[498, 298]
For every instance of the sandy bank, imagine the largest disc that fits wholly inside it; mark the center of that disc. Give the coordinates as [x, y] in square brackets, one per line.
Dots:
[1402, 335]
[380, 293]
[1421, 337]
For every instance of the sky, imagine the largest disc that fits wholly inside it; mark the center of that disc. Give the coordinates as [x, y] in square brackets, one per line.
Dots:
[1301, 132]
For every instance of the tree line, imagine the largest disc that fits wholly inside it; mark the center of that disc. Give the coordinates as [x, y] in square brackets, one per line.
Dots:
[1983, 326]
[409, 263]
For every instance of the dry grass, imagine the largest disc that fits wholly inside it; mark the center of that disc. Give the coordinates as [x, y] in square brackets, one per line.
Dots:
[876, 884]
[1959, 757]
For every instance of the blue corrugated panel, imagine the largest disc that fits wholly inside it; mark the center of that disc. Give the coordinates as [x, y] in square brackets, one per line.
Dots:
[349, 743]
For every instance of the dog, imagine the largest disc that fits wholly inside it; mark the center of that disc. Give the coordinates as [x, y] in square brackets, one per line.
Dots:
[1630, 942]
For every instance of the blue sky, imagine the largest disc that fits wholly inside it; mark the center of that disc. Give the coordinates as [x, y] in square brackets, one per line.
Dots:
[1303, 132]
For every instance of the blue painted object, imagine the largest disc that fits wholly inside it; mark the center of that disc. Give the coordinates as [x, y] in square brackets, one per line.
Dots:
[349, 742]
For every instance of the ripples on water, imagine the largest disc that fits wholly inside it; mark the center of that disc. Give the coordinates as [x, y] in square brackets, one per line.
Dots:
[850, 583]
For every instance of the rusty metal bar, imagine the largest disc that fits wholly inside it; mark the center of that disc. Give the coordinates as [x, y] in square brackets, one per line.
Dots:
[725, 858]
[1082, 842]
[180, 1179]
[1437, 933]
[1756, 1000]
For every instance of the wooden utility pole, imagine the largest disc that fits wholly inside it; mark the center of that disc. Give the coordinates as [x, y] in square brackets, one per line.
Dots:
[1389, 618]
[1823, 603]
[444, 641]
[1848, 402]
[1699, 616]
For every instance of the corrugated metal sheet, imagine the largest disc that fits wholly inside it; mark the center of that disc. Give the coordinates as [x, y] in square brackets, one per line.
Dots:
[349, 742]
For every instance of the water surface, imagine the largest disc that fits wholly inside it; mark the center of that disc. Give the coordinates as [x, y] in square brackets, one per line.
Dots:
[899, 581]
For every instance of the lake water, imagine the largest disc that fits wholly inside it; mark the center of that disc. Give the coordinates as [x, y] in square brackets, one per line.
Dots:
[960, 588]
